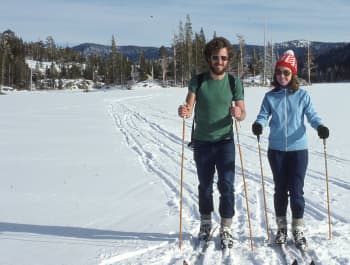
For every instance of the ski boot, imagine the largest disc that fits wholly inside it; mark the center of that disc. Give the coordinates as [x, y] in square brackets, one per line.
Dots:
[204, 230]
[226, 237]
[298, 233]
[299, 239]
[281, 236]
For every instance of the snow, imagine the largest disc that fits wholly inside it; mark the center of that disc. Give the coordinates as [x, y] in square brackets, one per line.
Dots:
[42, 66]
[94, 179]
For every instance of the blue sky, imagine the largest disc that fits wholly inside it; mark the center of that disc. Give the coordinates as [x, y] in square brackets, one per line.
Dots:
[154, 22]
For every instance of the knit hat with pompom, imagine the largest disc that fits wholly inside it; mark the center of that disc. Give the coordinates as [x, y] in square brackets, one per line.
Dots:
[288, 60]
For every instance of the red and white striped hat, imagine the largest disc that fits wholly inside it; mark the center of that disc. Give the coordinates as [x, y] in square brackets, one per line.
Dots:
[288, 60]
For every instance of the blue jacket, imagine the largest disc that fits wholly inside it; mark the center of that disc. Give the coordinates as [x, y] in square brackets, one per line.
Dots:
[287, 111]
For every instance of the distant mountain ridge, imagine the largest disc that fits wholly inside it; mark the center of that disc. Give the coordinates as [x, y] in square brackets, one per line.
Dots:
[151, 53]
[130, 51]
[332, 59]
[300, 46]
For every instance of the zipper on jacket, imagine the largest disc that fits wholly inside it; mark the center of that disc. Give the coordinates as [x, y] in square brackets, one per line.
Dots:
[286, 119]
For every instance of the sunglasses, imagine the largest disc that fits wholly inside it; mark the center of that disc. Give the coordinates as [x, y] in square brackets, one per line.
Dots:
[218, 57]
[284, 72]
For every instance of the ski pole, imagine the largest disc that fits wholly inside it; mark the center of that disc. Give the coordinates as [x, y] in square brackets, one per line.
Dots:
[182, 174]
[245, 187]
[328, 207]
[263, 188]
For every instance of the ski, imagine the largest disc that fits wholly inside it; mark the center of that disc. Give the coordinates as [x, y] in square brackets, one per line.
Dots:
[226, 256]
[226, 252]
[307, 255]
[284, 251]
[202, 245]
[287, 255]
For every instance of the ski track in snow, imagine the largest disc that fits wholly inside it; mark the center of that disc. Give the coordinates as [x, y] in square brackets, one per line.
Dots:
[164, 148]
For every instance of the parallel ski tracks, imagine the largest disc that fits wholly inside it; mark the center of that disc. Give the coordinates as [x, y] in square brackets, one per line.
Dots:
[158, 149]
[163, 143]
[162, 146]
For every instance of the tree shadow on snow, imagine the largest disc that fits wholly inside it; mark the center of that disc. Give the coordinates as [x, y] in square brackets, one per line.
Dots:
[86, 233]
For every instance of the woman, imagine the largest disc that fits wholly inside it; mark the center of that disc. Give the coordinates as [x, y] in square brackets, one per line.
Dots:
[285, 107]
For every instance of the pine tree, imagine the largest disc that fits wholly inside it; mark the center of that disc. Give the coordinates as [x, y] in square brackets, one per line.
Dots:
[164, 61]
[256, 64]
[180, 54]
[240, 71]
[125, 70]
[309, 64]
[269, 63]
[188, 64]
[174, 65]
[51, 49]
[13, 67]
[143, 66]
[114, 62]
[198, 52]
[4, 51]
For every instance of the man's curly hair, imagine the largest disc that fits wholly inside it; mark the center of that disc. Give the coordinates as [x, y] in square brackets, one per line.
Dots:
[215, 45]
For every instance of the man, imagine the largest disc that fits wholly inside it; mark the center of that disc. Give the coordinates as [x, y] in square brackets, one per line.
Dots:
[213, 135]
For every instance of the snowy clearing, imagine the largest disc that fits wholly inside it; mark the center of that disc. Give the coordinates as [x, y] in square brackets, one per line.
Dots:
[94, 178]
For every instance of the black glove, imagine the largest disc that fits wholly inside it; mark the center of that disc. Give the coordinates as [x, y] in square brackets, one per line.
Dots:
[257, 128]
[322, 132]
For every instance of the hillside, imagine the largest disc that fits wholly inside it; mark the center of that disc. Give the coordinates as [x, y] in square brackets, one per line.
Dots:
[329, 58]
[132, 52]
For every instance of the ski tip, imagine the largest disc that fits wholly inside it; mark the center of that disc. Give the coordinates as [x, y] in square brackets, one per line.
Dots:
[225, 253]
[185, 262]
[312, 263]
[295, 262]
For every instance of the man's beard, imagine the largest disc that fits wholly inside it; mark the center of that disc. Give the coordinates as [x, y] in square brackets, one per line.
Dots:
[213, 69]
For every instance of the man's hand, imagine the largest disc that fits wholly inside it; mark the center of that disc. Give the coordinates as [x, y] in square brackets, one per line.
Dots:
[184, 111]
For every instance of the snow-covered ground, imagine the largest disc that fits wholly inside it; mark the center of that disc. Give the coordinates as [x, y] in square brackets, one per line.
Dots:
[94, 179]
